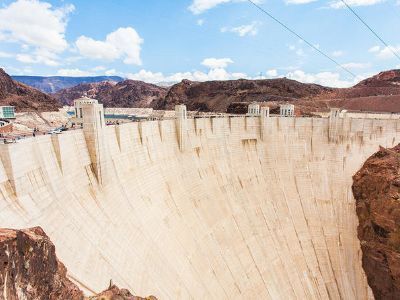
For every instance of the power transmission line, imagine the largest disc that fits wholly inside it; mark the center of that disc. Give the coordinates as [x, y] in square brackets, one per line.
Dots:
[301, 38]
[370, 29]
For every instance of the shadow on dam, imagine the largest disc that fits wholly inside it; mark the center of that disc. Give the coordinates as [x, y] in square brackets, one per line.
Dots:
[220, 208]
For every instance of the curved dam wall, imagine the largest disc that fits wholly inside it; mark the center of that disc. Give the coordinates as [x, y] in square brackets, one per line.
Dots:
[224, 208]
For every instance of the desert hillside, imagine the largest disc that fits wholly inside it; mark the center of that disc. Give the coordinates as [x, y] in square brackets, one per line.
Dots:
[128, 93]
[23, 97]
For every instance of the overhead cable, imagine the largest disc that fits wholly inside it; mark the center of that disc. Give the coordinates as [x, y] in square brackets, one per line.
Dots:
[370, 29]
[301, 38]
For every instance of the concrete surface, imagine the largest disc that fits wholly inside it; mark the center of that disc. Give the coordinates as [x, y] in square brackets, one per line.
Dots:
[230, 216]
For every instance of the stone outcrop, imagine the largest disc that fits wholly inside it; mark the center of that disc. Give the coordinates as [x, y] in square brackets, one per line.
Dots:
[376, 189]
[115, 293]
[29, 269]
[218, 95]
[128, 93]
[378, 93]
[23, 97]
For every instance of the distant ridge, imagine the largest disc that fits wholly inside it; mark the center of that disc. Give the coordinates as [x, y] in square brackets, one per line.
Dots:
[127, 93]
[23, 97]
[53, 84]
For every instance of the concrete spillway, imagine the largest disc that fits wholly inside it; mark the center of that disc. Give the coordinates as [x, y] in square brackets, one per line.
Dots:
[244, 209]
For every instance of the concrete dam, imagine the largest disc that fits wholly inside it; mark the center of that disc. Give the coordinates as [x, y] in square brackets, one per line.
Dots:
[208, 208]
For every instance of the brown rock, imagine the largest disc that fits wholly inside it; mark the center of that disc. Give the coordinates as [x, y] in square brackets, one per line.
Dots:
[23, 97]
[29, 268]
[114, 293]
[219, 95]
[378, 93]
[377, 192]
[128, 93]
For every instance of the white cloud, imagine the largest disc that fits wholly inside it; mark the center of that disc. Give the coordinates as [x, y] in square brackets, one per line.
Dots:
[158, 77]
[243, 30]
[199, 6]
[353, 65]
[5, 55]
[147, 76]
[111, 72]
[337, 53]
[41, 56]
[324, 78]
[25, 47]
[299, 1]
[272, 73]
[385, 52]
[124, 43]
[374, 49]
[331, 79]
[217, 63]
[18, 71]
[298, 50]
[33, 23]
[98, 68]
[217, 72]
[73, 72]
[200, 22]
[339, 4]
[25, 58]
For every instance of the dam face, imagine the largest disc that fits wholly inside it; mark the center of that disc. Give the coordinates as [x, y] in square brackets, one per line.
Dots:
[222, 208]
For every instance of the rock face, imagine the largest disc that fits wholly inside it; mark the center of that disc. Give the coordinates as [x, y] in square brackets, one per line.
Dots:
[53, 84]
[29, 269]
[376, 189]
[92, 90]
[24, 98]
[114, 293]
[128, 93]
[378, 93]
[218, 95]
[383, 79]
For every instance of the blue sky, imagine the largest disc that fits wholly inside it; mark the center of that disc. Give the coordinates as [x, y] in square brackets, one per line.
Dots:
[166, 41]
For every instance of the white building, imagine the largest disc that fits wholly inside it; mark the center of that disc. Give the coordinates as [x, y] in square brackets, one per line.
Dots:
[287, 110]
[91, 106]
[253, 110]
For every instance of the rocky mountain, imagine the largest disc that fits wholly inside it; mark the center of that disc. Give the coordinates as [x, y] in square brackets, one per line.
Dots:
[383, 79]
[376, 189]
[29, 269]
[378, 93]
[218, 95]
[53, 84]
[23, 97]
[128, 93]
